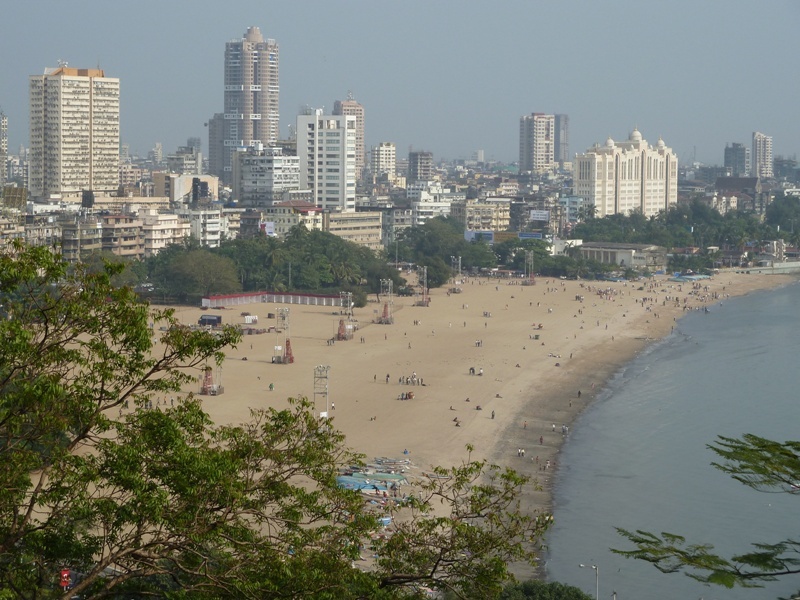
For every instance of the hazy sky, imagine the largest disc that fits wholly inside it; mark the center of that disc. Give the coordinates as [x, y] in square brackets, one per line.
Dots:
[447, 76]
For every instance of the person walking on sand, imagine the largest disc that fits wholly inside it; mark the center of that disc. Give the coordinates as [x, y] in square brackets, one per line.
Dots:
[525, 425]
[541, 440]
[492, 414]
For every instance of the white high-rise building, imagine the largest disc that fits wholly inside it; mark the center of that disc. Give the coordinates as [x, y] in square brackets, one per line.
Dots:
[537, 137]
[326, 147]
[74, 132]
[761, 155]
[623, 177]
[383, 159]
[251, 99]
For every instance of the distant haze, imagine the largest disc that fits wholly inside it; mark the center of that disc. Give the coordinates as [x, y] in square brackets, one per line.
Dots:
[449, 77]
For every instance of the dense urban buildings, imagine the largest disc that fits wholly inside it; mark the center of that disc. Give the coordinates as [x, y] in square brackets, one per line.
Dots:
[623, 177]
[251, 95]
[326, 149]
[737, 159]
[74, 132]
[352, 108]
[762, 155]
[537, 133]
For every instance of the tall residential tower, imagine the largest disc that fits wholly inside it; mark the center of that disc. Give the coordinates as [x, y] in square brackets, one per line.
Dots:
[561, 146]
[3, 149]
[762, 155]
[352, 108]
[537, 137]
[737, 159]
[74, 132]
[251, 110]
[326, 147]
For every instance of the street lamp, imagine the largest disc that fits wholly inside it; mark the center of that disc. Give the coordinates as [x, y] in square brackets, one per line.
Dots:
[596, 579]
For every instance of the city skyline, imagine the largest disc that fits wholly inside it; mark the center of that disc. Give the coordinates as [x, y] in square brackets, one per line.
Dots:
[454, 82]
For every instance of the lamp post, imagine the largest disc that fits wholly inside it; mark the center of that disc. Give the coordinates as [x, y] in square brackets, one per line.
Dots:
[596, 579]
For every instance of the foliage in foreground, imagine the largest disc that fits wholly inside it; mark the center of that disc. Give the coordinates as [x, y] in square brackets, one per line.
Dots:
[539, 590]
[138, 497]
[762, 464]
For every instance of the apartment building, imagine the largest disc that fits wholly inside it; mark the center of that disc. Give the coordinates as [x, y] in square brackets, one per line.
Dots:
[354, 109]
[74, 132]
[537, 136]
[622, 177]
[261, 175]
[251, 99]
[326, 151]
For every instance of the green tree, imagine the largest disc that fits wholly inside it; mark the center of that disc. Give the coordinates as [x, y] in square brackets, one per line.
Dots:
[761, 464]
[539, 590]
[144, 501]
[202, 273]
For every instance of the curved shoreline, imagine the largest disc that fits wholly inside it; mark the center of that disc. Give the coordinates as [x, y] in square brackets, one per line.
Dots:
[529, 387]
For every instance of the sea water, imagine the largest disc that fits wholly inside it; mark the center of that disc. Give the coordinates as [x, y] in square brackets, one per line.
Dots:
[638, 457]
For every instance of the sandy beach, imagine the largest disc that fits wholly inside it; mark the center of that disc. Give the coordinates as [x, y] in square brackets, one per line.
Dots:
[530, 389]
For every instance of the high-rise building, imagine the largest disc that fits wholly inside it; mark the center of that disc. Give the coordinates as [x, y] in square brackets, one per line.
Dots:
[762, 155]
[216, 145]
[561, 147]
[326, 148]
[536, 142]
[74, 132]
[3, 149]
[737, 159]
[420, 166]
[251, 114]
[626, 177]
[383, 159]
[354, 109]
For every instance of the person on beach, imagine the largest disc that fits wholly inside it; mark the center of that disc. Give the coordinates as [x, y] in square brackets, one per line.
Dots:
[541, 440]
[492, 414]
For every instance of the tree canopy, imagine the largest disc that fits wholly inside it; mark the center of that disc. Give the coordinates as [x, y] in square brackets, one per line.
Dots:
[539, 590]
[136, 497]
[759, 463]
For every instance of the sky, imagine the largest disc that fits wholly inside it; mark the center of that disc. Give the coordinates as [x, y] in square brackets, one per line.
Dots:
[448, 76]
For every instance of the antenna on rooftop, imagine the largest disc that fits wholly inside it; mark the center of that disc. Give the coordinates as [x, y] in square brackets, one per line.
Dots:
[350, 95]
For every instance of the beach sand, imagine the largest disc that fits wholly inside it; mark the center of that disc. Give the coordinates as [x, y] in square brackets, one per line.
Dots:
[529, 387]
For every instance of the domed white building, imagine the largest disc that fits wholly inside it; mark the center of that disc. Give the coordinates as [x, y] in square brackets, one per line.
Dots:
[622, 177]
